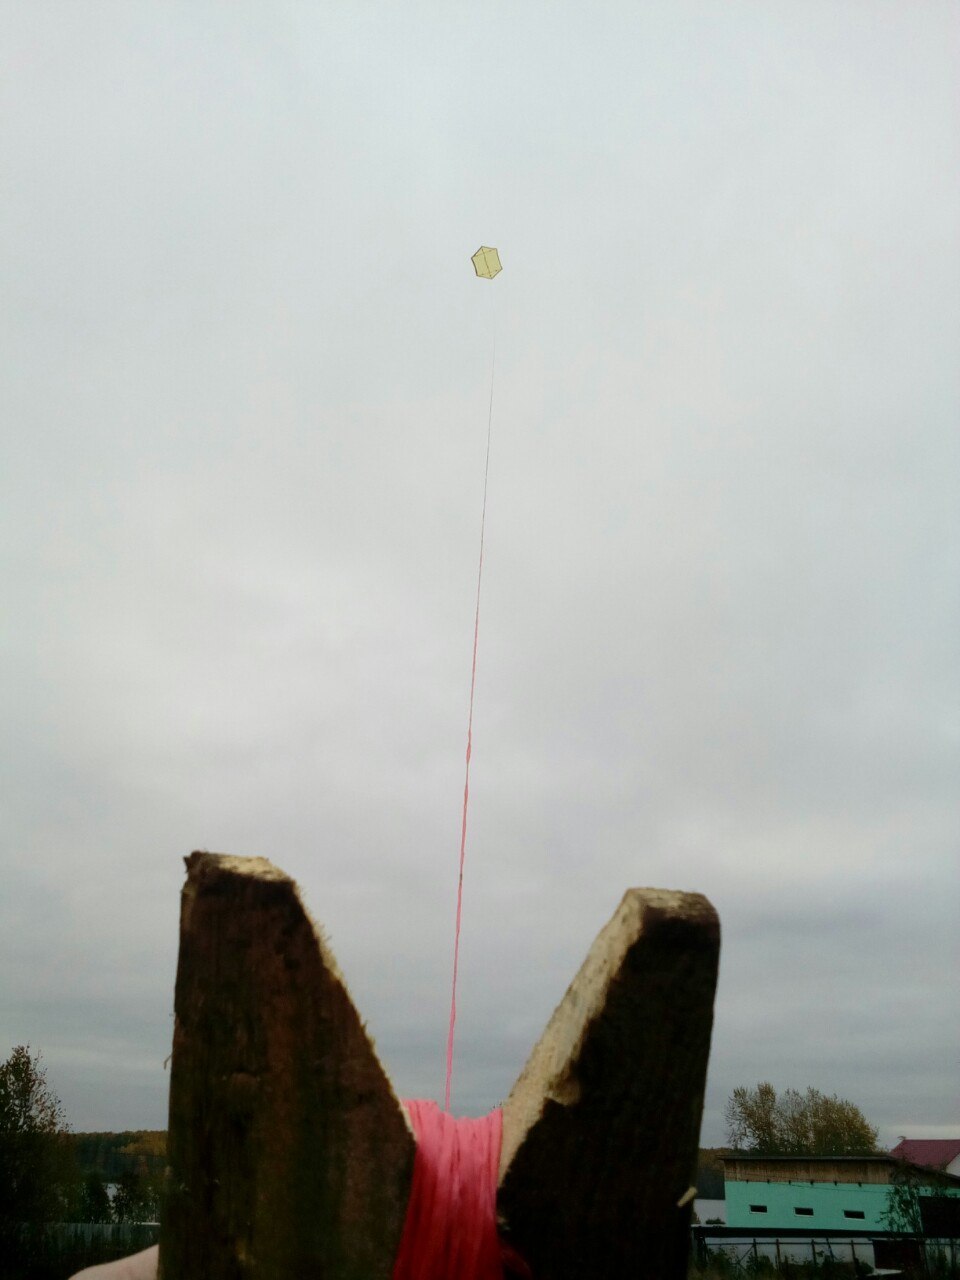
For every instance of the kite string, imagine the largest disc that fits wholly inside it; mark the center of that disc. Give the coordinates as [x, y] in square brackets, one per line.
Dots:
[466, 783]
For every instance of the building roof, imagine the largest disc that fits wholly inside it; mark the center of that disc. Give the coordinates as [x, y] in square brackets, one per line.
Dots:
[930, 1153]
[881, 1167]
[760, 1158]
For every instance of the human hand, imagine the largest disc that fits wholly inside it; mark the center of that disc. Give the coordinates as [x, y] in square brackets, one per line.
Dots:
[139, 1266]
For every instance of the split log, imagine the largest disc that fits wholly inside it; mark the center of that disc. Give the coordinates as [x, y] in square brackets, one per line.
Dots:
[600, 1132]
[290, 1154]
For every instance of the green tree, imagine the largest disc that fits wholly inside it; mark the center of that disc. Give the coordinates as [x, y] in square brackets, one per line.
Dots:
[752, 1119]
[901, 1214]
[94, 1203]
[37, 1170]
[795, 1123]
[135, 1199]
[910, 1188]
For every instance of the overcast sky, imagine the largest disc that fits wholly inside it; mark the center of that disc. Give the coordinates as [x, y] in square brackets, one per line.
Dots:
[245, 370]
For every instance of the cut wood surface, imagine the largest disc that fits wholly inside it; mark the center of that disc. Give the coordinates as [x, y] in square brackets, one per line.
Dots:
[290, 1155]
[600, 1131]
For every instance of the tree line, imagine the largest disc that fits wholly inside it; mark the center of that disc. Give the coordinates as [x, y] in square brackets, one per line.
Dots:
[49, 1175]
[111, 1155]
[792, 1123]
[762, 1122]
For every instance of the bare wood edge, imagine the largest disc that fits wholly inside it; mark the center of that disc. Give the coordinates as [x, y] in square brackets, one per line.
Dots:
[379, 1171]
[202, 865]
[550, 1072]
[544, 1103]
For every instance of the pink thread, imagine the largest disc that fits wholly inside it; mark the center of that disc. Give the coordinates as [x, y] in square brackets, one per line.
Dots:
[466, 782]
[450, 1231]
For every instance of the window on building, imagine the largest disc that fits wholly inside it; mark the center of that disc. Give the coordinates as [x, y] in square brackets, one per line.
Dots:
[853, 1213]
[758, 1208]
[803, 1213]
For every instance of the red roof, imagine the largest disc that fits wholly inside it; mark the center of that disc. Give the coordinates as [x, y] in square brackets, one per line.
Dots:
[930, 1153]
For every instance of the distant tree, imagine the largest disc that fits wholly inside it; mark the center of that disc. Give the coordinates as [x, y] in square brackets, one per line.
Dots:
[135, 1199]
[111, 1154]
[94, 1200]
[148, 1144]
[37, 1170]
[752, 1119]
[148, 1154]
[795, 1123]
[915, 1193]
[901, 1215]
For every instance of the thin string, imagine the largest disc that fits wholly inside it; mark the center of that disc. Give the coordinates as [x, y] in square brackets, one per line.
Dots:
[466, 784]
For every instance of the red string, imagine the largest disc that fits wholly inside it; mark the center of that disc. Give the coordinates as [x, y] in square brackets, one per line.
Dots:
[466, 783]
[450, 1231]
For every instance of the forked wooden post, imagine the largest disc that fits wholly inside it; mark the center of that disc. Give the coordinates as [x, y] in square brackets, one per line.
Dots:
[290, 1154]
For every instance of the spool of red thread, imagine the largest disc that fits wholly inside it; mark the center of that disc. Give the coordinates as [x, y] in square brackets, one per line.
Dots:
[450, 1231]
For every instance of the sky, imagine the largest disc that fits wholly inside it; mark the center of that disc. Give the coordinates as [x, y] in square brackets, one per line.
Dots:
[246, 369]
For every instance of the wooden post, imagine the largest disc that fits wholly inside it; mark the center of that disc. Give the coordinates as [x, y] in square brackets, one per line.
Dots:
[290, 1154]
[602, 1127]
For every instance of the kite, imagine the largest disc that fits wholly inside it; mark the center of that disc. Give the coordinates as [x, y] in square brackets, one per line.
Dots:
[486, 262]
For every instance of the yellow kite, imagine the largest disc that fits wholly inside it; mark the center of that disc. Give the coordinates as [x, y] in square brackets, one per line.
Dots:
[486, 262]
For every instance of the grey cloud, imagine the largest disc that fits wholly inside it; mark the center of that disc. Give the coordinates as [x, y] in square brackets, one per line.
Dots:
[245, 391]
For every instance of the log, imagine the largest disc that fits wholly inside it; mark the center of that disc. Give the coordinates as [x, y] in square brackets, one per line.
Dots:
[601, 1129]
[290, 1154]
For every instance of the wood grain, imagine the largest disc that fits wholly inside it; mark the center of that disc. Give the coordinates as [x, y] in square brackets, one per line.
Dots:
[602, 1127]
[289, 1153]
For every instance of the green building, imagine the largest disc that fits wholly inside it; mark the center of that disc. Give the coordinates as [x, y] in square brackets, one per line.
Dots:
[821, 1193]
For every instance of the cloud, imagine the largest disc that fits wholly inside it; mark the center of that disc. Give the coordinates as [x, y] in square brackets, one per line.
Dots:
[248, 371]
